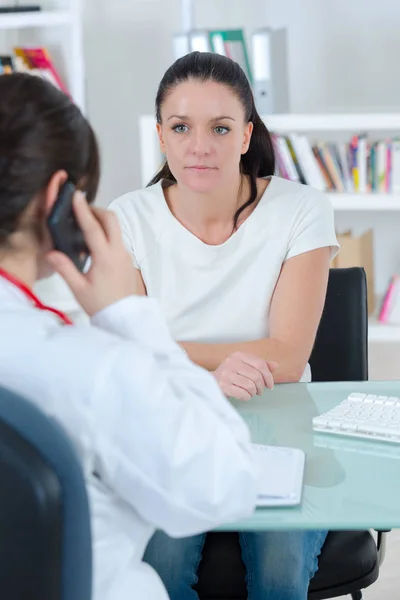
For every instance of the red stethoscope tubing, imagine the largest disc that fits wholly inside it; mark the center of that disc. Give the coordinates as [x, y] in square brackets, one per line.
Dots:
[32, 297]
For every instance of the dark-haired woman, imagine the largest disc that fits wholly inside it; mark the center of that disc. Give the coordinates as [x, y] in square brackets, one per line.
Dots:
[239, 261]
[126, 393]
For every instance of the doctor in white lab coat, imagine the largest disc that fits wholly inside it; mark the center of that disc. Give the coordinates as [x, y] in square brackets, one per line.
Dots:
[169, 450]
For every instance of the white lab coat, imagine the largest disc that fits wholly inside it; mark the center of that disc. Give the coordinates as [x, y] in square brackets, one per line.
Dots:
[170, 450]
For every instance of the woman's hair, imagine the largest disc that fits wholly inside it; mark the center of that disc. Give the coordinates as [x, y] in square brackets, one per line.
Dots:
[259, 161]
[41, 132]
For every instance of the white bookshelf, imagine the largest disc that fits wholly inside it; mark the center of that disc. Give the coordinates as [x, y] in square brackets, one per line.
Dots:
[313, 124]
[383, 333]
[365, 202]
[45, 18]
[350, 122]
[59, 28]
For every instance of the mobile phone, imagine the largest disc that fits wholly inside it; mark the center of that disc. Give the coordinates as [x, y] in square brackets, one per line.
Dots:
[64, 229]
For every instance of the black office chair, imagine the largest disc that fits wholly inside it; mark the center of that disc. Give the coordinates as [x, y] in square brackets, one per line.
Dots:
[350, 560]
[45, 538]
[340, 350]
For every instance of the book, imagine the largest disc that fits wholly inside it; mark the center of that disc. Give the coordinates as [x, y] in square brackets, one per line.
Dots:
[270, 70]
[231, 43]
[35, 61]
[395, 166]
[6, 65]
[389, 313]
[309, 167]
[295, 158]
[39, 59]
[285, 158]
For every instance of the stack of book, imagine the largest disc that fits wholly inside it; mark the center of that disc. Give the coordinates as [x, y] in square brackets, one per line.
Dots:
[359, 166]
[35, 61]
[230, 43]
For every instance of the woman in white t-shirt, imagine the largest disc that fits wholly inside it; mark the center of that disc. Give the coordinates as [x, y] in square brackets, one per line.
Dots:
[239, 261]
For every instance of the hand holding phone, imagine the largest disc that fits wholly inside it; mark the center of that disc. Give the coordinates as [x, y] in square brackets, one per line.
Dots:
[111, 276]
[64, 229]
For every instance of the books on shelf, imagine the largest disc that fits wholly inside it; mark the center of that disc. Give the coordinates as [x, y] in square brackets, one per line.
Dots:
[389, 312]
[36, 61]
[229, 42]
[358, 166]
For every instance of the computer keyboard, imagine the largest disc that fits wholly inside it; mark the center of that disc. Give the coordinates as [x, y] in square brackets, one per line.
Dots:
[363, 416]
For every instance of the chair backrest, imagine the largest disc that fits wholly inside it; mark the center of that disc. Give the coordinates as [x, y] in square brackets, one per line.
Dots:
[340, 351]
[45, 536]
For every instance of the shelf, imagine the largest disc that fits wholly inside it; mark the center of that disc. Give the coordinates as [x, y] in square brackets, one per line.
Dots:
[43, 18]
[365, 202]
[377, 332]
[333, 122]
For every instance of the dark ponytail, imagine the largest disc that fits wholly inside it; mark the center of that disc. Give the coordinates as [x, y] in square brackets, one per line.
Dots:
[259, 160]
[41, 132]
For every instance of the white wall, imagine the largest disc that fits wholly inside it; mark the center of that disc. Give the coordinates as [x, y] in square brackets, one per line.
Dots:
[343, 54]
[127, 50]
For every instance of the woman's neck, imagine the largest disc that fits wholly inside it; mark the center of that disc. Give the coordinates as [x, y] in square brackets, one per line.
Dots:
[22, 266]
[210, 216]
[209, 209]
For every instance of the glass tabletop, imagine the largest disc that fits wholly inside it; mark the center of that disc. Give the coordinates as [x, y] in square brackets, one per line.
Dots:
[349, 483]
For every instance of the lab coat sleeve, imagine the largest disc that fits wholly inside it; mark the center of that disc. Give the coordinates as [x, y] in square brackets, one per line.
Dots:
[168, 441]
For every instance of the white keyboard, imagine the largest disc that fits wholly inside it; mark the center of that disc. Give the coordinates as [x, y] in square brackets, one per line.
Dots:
[363, 416]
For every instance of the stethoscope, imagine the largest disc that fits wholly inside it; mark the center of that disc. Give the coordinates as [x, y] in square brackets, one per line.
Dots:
[32, 297]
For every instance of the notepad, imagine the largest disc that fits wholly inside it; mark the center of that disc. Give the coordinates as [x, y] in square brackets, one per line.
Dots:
[281, 475]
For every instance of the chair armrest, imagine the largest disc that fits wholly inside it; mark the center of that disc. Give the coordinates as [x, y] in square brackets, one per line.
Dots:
[381, 544]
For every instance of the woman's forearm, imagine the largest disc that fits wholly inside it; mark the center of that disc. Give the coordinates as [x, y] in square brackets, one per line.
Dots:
[210, 356]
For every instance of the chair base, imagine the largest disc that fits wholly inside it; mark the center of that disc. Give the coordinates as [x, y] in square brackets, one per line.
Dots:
[349, 563]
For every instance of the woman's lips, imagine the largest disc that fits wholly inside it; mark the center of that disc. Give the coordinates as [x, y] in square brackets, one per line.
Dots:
[201, 168]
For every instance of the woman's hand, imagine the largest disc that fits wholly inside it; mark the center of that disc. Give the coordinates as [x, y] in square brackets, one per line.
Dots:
[242, 375]
[111, 275]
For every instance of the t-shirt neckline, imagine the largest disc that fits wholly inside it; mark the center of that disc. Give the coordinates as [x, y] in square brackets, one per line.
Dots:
[179, 227]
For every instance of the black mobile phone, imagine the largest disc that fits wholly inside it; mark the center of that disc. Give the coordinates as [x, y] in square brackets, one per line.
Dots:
[64, 229]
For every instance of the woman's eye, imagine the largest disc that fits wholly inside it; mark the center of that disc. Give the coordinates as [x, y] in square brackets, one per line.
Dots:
[221, 130]
[180, 128]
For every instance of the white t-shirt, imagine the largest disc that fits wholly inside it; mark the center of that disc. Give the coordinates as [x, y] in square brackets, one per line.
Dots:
[223, 293]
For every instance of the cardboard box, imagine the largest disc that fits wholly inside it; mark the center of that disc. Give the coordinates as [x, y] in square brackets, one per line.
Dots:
[357, 251]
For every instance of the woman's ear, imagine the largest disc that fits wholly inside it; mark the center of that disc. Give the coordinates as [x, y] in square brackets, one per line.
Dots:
[248, 131]
[53, 189]
[160, 137]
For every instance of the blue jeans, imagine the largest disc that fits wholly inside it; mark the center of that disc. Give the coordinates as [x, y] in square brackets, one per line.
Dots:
[279, 565]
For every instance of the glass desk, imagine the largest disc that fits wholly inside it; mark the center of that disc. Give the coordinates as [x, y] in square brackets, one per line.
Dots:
[348, 484]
